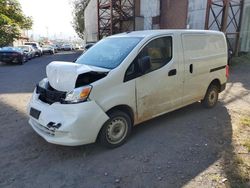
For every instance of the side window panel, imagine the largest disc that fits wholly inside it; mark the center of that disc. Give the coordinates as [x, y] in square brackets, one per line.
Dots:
[160, 52]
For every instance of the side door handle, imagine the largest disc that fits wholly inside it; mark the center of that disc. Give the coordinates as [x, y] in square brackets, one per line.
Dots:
[191, 68]
[172, 72]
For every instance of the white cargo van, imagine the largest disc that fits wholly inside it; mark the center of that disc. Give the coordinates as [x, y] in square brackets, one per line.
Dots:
[124, 80]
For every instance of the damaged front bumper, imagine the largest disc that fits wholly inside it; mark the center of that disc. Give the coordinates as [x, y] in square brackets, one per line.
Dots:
[66, 124]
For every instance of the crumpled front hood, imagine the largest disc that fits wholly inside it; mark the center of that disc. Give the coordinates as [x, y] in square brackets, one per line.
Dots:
[62, 76]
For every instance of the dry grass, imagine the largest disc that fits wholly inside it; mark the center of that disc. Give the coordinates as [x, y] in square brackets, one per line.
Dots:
[237, 157]
[245, 121]
[247, 144]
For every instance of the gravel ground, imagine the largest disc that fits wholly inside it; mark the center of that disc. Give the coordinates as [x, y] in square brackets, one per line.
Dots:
[183, 148]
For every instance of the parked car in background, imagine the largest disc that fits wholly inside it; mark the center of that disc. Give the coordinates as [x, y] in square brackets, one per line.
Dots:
[56, 49]
[37, 47]
[67, 47]
[13, 55]
[48, 49]
[28, 50]
[59, 47]
[76, 46]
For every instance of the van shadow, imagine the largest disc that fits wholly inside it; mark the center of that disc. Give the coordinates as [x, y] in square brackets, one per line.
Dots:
[239, 76]
[168, 151]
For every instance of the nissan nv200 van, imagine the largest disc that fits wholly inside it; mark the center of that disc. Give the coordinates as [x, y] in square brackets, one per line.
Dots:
[126, 79]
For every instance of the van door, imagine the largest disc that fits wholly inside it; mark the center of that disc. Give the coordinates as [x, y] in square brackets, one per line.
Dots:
[160, 89]
[196, 66]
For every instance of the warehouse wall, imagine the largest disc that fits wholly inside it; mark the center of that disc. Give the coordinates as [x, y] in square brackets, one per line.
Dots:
[91, 22]
[167, 14]
[245, 29]
[173, 14]
[148, 10]
[196, 14]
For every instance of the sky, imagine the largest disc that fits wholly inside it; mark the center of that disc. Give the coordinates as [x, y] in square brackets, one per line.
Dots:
[50, 18]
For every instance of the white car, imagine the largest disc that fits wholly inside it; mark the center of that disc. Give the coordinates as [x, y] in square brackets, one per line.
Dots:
[36, 46]
[124, 80]
[28, 50]
[67, 47]
[47, 49]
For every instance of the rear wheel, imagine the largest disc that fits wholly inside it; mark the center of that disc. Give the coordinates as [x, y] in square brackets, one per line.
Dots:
[211, 97]
[116, 130]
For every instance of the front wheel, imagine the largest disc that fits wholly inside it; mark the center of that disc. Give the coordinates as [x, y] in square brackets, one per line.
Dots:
[116, 130]
[211, 97]
[22, 61]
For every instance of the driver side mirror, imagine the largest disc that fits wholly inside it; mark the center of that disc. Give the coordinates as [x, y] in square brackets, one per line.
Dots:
[144, 64]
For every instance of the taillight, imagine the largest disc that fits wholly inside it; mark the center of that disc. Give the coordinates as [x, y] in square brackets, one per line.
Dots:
[227, 71]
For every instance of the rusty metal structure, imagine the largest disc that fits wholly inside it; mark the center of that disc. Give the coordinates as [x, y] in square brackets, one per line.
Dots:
[115, 16]
[226, 16]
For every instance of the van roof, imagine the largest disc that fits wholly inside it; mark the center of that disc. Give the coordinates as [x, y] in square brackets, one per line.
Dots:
[151, 33]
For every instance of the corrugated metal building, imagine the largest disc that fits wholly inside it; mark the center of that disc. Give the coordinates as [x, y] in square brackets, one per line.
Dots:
[168, 14]
[245, 28]
[197, 14]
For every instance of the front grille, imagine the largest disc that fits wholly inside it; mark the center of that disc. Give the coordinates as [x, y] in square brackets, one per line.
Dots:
[50, 95]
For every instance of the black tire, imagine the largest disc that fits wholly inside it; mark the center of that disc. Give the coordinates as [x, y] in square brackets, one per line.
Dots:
[211, 97]
[119, 125]
[22, 61]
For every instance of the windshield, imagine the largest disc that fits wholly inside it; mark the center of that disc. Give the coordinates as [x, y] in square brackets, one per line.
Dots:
[23, 47]
[9, 49]
[109, 53]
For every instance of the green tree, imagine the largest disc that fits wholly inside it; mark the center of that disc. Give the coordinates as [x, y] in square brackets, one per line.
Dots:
[78, 13]
[12, 20]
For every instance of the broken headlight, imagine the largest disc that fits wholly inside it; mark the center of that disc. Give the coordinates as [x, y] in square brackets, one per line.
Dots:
[78, 95]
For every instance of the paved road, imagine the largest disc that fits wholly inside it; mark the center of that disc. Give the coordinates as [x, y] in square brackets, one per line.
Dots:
[168, 151]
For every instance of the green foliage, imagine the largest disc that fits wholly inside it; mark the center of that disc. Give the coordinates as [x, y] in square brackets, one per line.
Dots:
[12, 20]
[78, 13]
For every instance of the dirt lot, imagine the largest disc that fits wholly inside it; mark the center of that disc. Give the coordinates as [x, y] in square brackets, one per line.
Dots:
[191, 147]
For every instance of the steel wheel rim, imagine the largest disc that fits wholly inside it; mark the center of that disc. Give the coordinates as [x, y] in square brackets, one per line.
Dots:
[117, 130]
[212, 97]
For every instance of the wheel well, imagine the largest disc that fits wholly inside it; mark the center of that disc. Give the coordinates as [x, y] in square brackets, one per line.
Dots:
[124, 108]
[217, 83]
